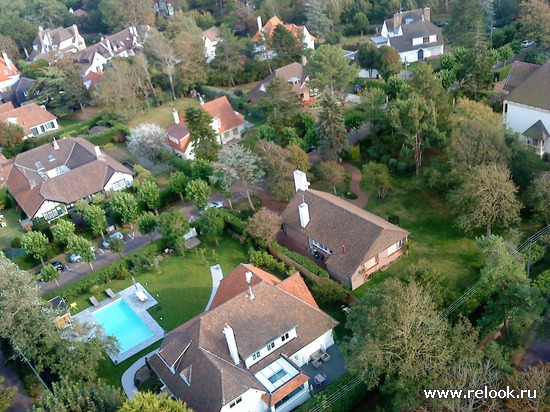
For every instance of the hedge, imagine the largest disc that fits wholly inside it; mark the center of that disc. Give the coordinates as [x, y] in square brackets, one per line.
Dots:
[234, 223]
[346, 403]
[117, 269]
[302, 260]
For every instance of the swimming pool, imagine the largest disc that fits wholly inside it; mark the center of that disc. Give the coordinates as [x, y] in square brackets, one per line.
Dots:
[119, 320]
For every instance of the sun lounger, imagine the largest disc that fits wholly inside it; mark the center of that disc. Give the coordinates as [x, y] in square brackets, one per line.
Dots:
[94, 301]
[141, 295]
[110, 293]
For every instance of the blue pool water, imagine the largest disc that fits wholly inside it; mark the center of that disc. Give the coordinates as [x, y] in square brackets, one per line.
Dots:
[119, 320]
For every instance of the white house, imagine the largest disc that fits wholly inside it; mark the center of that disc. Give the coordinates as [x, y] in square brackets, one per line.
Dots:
[226, 122]
[210, 39]
[265, 31]
[248, 352]
[412, 34]
[9, 74]
[527, 104]
[33, 119]
[48, 180]
[60, 41]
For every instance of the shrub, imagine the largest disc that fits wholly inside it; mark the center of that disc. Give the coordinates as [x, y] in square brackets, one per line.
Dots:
[16, 242]
[233, 223]
[350, 195]
[355, 152]
[402, 167]
[302, 260]
[262, 259]
[328, 291]
[394, 219]
[392, 164]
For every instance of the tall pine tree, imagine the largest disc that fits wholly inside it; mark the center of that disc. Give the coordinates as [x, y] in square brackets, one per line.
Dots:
[331, 130]
[203, 136]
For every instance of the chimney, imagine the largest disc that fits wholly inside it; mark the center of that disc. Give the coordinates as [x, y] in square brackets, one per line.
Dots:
[300, 180]
[9, 64]
[343, 249]
[397, 20]
[427, 14]
[176, 117]
[304, 60]
[98, 154]
[231, 343]
[260, 25]
[248, 276]
[55, 145]
[303, 211]
[250, 295]
[201, 100]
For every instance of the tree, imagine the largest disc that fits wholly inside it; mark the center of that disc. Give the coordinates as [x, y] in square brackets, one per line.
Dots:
[76, 92]
[487, 196]
[264, 226]
[201, 169]
[331, 130]
[203, 137]
[505, 53]
[35, 244]
[81, 396]
[172, 226]
[147, 224]
[164, 54]
[117, 245]
[433, 281]
[82, 247]
[63, 230]
[242, 167]
[379, 175]
[96, 220]
[277, 164]
[318, 21]
[141, 175]
[7, 45]
[415, 120]
[536, 378]
[124, 203]
[229, 56]
[282, 107]
[536, 21]
[212, 224]
[332, 173]
[11, 134]
[118, 14]
[477, 136]
[7, 395]
[148, 401]
[397, 88]
[538, 199]
[177, 183]
[399, 341]
[361, 23]
[198, 191]
[148, 193]
[368, 56]
[390, 62]
[287, 47]
[515, 308]
[146, 140]
[49, 273]
[330, 69]
[328, 291]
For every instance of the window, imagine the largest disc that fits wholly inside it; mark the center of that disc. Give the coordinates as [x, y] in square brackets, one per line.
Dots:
[289, 396]
[505, 107]
[270, 345]
[277, 375]
[236, 402]
[256, 356]
[51, 158]
[320, 246]
[34, 131]
[121, 184]
[284, 337]
[426, 39]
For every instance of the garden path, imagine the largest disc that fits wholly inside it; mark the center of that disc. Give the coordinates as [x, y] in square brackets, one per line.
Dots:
[362, 197]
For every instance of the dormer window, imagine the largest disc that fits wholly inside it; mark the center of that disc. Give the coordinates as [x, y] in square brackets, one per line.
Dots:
[236, 402]
[270, 345]
[256, 355]
[284, 337]
[426, 39]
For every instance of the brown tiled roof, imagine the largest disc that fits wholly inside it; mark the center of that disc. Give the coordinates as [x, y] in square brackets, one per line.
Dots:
[30, 187]
[518, 73]
[272, 23]
[296, 286]
[272, 398]
[215, 379]
[6, 107]
[221, 108]
[180, 132]
[212, 33]
[335, 223]
[292, 70]
[28, 116]
[534, 89]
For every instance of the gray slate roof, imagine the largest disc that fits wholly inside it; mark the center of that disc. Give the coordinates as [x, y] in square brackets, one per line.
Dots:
[534, 90]
[415, 30]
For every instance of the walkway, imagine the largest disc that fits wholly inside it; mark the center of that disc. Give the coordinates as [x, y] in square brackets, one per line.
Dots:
[217, 276]
[130, 373]
[362, 197]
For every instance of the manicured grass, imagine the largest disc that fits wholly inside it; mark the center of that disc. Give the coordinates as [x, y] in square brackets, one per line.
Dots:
[162, 115]
[13, 228]
[503, 72]
[120, 152]
[182, 290]
[434, 237]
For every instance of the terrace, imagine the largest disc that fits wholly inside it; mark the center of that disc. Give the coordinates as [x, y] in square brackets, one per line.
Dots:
[332, 369]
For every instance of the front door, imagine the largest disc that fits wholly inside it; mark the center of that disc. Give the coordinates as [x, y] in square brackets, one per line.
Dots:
[420, 54]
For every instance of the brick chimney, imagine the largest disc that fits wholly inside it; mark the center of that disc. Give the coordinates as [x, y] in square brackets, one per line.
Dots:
[397, 19]
[427, 14]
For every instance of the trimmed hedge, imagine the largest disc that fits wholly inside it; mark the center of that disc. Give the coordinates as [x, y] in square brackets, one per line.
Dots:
[302, 260]
[119, 269]
[233, 223]
[346, 403]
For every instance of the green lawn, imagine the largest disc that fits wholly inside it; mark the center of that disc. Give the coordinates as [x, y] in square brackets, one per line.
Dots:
[162, 115]
[13, 228]
[120, 152]
[182, 290]
[434, 237]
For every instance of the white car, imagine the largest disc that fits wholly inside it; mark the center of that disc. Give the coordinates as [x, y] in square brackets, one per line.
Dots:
[217, 205]
[116, 235]
[527, 43]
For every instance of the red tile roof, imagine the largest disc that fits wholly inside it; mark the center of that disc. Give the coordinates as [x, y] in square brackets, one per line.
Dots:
[212, 33]
[295, 286]
[272, 23]
[272, 398]
[181, 133]
[10, 72]
[28, 116]
[221, 108]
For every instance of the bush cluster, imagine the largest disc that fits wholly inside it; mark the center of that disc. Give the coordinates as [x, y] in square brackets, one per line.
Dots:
[262, 259]
[301, 260]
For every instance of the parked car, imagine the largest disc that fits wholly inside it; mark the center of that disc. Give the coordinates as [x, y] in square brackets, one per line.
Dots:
[116, 235]
[217, 205]
[59, 266]
[527, 43]
[74, 258]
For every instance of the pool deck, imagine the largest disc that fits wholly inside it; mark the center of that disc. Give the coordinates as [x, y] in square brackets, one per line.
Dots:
[140, 308]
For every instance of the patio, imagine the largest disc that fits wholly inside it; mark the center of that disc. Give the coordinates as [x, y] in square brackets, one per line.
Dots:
[333, 369]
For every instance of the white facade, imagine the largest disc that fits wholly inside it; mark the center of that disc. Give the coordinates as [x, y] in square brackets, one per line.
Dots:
[520, 117]
[251, 400]
[119, 181]
[209, 49]
[43, 128]
[423, 53]
[308, 39]
[324, 341]
[50, 210]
